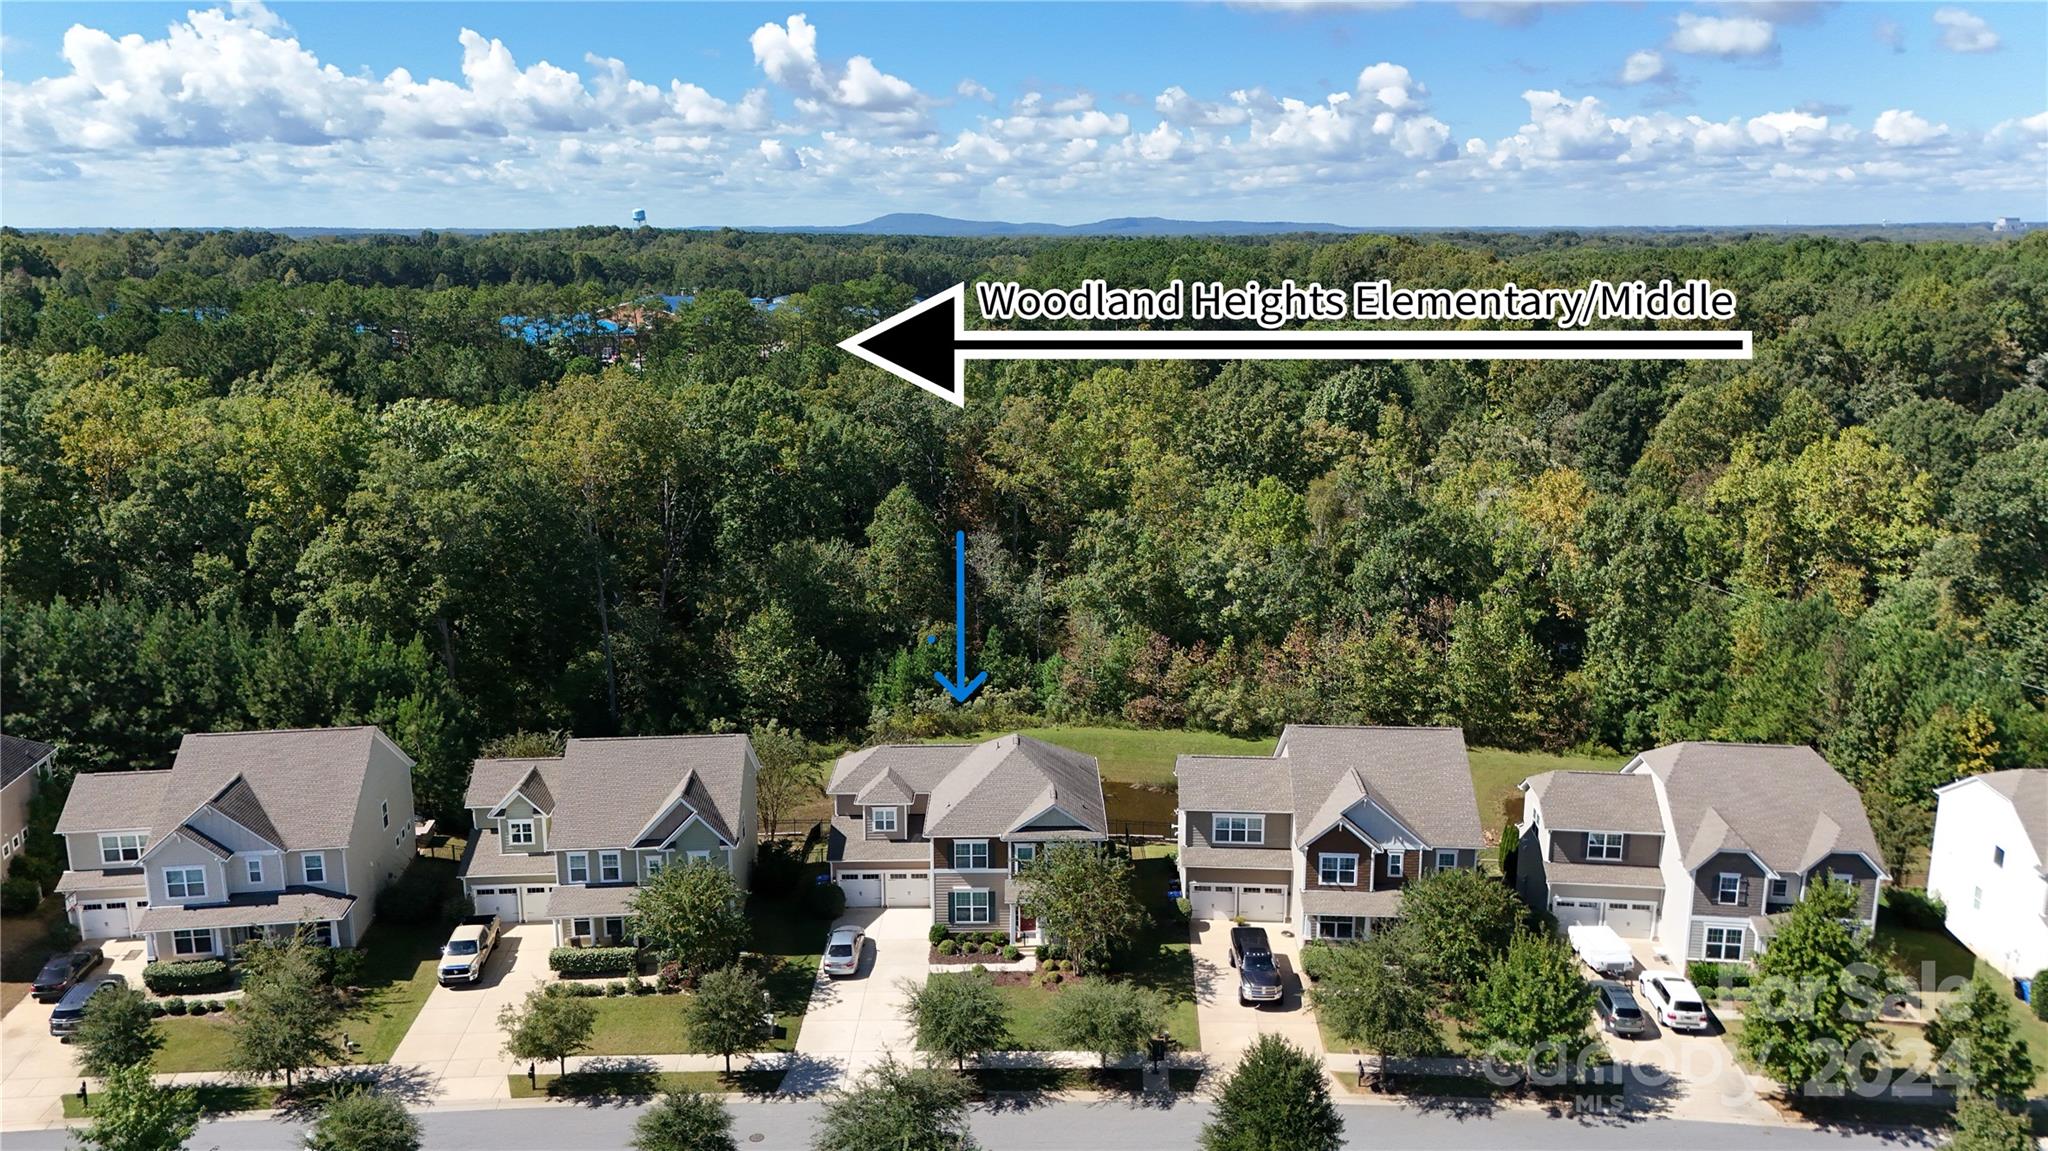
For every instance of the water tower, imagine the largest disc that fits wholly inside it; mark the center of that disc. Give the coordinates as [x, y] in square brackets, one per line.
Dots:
[639, 215]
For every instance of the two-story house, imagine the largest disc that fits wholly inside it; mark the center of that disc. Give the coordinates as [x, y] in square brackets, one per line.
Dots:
[1323, 834]
[949, 826]
[1990, 866]
[247, 833]
[24, 765]
[567, 840]
[1695, 845]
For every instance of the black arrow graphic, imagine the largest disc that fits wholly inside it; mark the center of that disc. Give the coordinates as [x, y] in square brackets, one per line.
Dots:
[929, 345]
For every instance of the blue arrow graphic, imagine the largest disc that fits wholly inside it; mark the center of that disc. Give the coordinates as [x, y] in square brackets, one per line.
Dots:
[960, 687]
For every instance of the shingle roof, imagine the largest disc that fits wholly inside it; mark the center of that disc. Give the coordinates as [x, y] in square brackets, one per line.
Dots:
[1011, 779]
[1597, 801]
[238, 802]
[919, 765]
[205, 842]
[575, 899]
[308, 781]
[1248, 783]
[491, 781]
[848, 843]
[251, 909]
[487, 858]
[1378, 904]
[2027, 789]
[112, 801]
[887, 787]
[17, 755]
[1420, 775]
[1610, 874]
[607, 790]
[119, 877]
[1202, 855]
[1773, 800]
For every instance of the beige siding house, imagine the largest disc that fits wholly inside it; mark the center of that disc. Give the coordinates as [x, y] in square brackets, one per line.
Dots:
[24, 764]
[246, 834]
[949, 826]
[1323, 834]
[567, 840]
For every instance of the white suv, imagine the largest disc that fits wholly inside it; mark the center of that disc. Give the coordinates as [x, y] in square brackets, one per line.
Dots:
[1673, 1000]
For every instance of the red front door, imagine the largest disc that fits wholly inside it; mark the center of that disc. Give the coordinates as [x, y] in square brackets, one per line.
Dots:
[1026, 924]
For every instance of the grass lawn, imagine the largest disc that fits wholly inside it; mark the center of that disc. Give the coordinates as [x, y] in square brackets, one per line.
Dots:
[214, 1099]
[1044, 1080]
[1450, 1034]
[642, 1084]
[24, 945]
[1910, 949]
[1495, 774]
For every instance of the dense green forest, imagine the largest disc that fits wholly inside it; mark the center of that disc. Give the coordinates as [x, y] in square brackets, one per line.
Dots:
[257, 480]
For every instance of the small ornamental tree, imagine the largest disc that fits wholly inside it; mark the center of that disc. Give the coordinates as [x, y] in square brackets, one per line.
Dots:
[728, 1014]
[694, 914]
[1977, 1047]
[1111, 1019]
[131, 1113]
[1532, 1007]
[548, 1027]
[956, 1016]
[289, 1018]
[1082, 898]
[1278, 1097]
[117, 1032]
[684, 1121]
[364, 1121]
[1369, 994]
[1808, 1024]
[1454, 923]
[898, 1108]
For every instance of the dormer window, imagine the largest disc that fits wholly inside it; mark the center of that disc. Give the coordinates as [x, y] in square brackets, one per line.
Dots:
[255, 870]
[1728, 889]
[882, 819]
[1244, 829]
[1604, 846]
[519, 832]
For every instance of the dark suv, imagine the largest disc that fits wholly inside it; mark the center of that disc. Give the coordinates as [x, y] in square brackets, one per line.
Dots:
[1619, 1013]
[1258, 978]
[61, 972]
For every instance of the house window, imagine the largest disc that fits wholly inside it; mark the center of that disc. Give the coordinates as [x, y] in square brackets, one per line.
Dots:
[882, 819]
[322, 934]
[1781, 890]
[970, 907]
[1446, 860]
[121, 848]
[1724, 943]
[1728, 888]
[185, 882]
[519, 832]
[1604, 846]
[653, 865]
[385, 804]
[1976, 899]
[1336, 927]
[1998, 857]
[314, 865]
[1396, 864]
[1337, 870]
[255, 870]
[579, 871]
[970, 855]
[579, 928]
[615, 929]
[697, 856]
[1239, 829]
[192, 942]
[608, 867]
[1021, 855]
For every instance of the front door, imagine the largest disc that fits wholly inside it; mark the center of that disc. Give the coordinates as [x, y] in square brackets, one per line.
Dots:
[1027, 925]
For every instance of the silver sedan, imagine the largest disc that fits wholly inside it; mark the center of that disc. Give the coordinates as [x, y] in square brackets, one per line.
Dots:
[842, 950]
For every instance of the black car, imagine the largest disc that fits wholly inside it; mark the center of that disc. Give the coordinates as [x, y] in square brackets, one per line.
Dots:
[70, 1010]
[61, 972]
[1619, 1012]
[1258, 978]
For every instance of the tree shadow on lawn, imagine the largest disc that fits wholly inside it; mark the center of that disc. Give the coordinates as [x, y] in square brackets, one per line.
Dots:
[304, 1102]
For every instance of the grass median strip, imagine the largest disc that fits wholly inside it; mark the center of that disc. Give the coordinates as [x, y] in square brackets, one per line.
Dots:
[642, 1084]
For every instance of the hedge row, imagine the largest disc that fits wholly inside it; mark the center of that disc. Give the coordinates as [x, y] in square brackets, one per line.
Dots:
[583, 962]
[186, 977]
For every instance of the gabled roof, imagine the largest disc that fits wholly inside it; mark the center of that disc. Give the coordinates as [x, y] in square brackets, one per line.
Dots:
[1246, 783]
[886, 788]
[18, 755]
[1008, 780]
[1420, 776]
[1778, 802]
[238, 802]
[492, 781]
[193, 835]
[1597, 801]
[919, 765]
[2026, 789]
[307, 781]
[607, 793]
[112, 801]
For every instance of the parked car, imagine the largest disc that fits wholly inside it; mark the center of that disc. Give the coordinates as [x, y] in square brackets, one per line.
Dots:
[1258, 978]
[842, 950]
[1599, 948]
[70, 1010]
[1619, 1012]
[1673, 1000]
[468, 949]
[62, 972]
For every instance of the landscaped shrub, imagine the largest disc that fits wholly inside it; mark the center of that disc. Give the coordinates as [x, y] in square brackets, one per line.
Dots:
[19, 896]
[614, 989]
[948, 947]
[1316, 957]
[642, 987]
[938, 933]
[62, 936]
[156, 1009]
[1913, 907]
[345, 966]
[191, 976]
[2038, 992]
[671, 977]
[584, 962]
[1002, 938]
[827, 900]
[1705, 975]
[1011, 954]
[175, 1007]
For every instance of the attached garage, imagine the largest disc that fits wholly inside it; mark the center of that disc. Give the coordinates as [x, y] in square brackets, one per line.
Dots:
[502, 902]
[1212, 901]
[1575, 912]
[1262, 904]
[863, 888]
[108, 919]
[1628, 919]
[905, 889]
[533, 902]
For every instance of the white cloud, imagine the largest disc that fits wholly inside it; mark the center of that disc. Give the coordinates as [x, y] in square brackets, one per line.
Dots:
[1723, 35]
[856, 91]
[969, 90]
[1642, 67]
[1962, 31]
[1890, 34]
[1899, 128]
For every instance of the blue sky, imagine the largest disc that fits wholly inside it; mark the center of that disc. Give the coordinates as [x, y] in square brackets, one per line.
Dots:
[536, 114]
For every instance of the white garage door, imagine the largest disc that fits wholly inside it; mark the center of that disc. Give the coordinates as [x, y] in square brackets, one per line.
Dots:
[1632, 920]
[1211, 901]
[907, 889]
[1575, 912]
[1262, 904]
[533, 902]
[863, 889]
[502, 902]
[103, 920]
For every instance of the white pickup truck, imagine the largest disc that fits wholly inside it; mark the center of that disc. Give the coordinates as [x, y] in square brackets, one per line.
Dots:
[468, 949]
[1601, 949]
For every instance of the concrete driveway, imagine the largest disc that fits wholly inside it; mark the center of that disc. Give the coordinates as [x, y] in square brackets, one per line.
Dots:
[1683, 1074]
[36, 1068]
[853, 1020]
[456, 1040]
[1228, 1027]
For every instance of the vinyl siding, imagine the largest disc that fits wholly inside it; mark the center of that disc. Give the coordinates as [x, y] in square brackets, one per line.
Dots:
[1338, 841]
[1706, 881]
[1636, 850]
[1279, 830]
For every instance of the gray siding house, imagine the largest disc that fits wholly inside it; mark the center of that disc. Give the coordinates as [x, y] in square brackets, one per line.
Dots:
[567, 840]
[1323, 834]
[1695, 845]
[246, 834]
[949, 826]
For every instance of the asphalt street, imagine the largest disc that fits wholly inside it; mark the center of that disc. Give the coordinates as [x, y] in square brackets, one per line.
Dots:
[1061, 1126]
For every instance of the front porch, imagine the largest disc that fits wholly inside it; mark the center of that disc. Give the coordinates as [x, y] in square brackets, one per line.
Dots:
[214, 931]
[586, 916]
